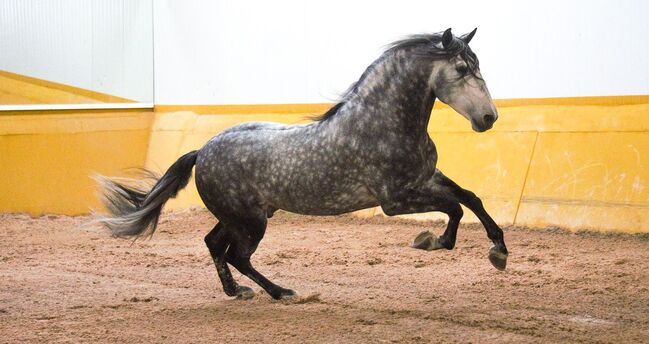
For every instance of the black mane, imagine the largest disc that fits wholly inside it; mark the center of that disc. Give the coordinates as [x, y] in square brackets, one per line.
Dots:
[421, 46]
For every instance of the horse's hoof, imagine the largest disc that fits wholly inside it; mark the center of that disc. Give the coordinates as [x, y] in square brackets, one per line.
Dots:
[426, 241]
[286, 294]
[244, 293]
[497, 258]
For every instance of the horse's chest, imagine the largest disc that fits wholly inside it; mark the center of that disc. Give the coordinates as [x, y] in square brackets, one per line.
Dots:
[408, 158]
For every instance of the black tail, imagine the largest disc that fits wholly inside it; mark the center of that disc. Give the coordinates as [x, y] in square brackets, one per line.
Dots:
[134, 212]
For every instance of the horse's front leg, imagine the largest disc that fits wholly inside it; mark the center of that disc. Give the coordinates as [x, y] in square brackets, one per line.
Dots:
[442, 194]
[421, 201]
[498, 253]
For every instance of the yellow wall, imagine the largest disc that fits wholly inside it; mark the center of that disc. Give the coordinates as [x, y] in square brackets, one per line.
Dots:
[47, 158]
[580, 163]
[589, 180]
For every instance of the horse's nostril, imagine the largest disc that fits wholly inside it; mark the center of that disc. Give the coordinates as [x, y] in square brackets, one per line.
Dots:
[489, 119]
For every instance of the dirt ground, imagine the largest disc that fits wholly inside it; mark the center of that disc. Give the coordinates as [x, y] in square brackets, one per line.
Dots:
[357, 279]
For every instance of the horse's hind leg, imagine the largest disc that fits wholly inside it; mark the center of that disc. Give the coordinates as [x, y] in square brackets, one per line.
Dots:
[245, 239]
[217, 241]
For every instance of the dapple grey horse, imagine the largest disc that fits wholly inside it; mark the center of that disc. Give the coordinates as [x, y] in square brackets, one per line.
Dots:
[371, 149]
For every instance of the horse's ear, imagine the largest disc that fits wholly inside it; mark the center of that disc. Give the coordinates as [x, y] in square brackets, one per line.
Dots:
[467, 37]
[447, 38]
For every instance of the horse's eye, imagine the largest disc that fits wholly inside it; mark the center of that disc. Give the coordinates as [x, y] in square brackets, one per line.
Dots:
[462, 70]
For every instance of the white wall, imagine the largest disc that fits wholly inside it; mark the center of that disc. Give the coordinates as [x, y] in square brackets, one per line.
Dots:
[291, 51]
[100, 45]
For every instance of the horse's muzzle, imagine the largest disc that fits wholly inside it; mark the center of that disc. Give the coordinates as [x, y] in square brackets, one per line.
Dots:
[487, 122]
[489, 119]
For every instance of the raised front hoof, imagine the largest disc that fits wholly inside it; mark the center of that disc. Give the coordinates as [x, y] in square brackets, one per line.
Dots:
[284, 294]
[426, 241]
[497, 258]
[244, 293]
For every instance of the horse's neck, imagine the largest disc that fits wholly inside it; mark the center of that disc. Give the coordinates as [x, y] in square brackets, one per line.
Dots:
[395, 93]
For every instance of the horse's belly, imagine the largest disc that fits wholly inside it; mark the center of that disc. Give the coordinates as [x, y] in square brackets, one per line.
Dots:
[323, 200]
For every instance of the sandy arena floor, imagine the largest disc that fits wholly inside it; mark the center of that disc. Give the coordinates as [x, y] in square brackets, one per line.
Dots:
[358, 281]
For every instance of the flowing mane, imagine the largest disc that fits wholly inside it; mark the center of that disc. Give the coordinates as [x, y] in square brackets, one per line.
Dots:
[421, 46]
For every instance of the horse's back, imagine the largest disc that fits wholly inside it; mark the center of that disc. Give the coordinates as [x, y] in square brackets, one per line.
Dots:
[250, 126]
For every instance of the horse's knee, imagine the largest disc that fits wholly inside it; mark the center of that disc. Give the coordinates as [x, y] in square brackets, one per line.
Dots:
[471, 200]
[455, 212]
[472, 197]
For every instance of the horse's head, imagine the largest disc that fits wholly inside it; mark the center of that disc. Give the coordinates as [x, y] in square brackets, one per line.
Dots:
[456, 81]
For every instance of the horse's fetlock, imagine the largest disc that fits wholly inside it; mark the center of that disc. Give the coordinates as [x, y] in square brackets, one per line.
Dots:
[447, 243]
